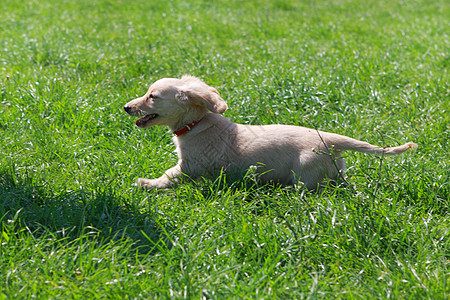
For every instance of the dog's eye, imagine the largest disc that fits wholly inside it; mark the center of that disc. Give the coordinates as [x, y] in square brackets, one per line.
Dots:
[153, 96]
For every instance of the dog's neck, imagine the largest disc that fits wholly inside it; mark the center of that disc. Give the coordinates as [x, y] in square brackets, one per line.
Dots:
[187, 127]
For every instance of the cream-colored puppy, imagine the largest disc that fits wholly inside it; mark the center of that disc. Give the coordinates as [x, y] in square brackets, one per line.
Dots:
[207, 142]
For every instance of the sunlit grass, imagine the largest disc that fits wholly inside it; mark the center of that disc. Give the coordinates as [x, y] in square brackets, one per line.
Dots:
[73, 225]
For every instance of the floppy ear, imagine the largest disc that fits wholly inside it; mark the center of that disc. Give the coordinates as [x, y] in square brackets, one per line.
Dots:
[198, 92]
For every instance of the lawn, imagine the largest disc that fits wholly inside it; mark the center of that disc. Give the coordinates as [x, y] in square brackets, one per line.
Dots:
[74, 226]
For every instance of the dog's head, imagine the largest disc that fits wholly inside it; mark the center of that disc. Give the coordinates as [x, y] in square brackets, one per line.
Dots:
[175, 102]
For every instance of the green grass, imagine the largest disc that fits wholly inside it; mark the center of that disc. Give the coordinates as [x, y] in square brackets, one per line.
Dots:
[72, 224]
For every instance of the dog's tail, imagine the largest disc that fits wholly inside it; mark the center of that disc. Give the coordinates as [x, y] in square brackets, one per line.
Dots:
[342, 143]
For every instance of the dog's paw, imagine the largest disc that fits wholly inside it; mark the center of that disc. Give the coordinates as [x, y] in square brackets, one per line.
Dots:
[147, 184]
[144, 184]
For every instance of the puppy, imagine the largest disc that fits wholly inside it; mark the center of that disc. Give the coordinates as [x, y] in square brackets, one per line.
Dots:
[207, 142]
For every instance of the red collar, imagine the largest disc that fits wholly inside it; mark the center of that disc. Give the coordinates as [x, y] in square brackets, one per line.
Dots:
[186, 128]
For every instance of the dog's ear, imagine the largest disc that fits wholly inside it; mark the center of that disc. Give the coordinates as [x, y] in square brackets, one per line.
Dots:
[196, 91]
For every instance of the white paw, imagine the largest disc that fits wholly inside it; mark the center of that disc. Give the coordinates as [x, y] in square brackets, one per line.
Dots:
[144, 183]
[147, 184]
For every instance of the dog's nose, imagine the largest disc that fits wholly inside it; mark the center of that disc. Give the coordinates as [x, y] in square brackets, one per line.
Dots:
[127, 108]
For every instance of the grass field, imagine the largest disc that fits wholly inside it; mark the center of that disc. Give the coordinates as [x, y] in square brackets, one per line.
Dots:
[72, 224]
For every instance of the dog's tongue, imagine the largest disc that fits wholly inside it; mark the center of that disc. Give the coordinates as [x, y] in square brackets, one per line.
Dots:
[143, 120]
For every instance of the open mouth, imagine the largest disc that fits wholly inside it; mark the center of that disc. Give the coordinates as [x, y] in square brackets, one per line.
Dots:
[142, 121]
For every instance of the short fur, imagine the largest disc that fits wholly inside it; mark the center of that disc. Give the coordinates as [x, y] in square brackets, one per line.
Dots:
[282, 153]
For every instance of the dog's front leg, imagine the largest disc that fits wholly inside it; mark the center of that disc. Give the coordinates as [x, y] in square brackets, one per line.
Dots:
[170, 177]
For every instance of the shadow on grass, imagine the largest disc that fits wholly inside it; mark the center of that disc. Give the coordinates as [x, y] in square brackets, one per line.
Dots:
[73, 214]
